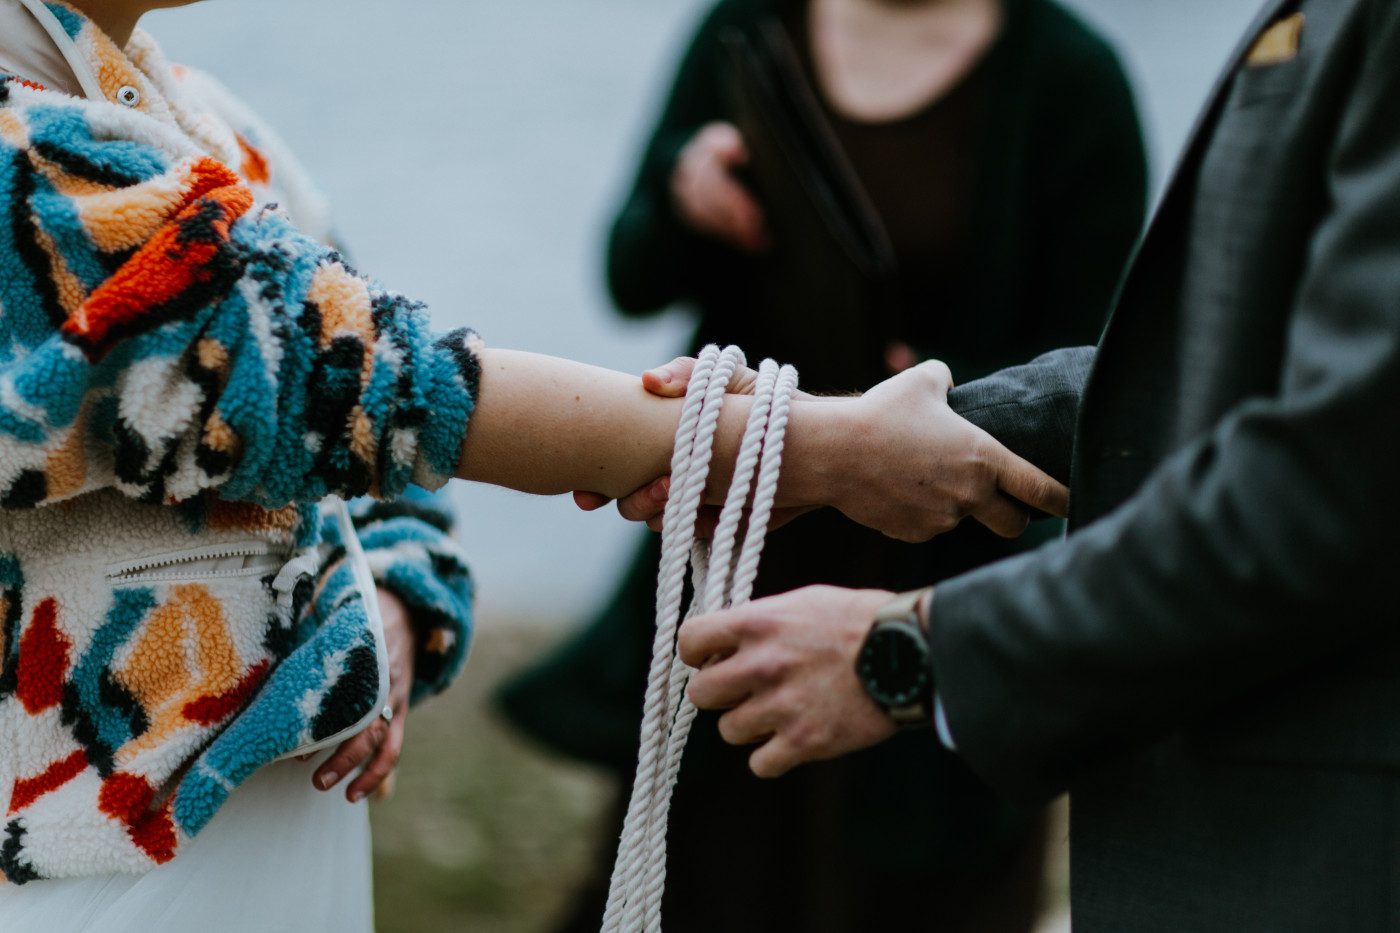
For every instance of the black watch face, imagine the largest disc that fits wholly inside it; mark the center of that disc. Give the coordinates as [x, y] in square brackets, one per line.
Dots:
[893, 665]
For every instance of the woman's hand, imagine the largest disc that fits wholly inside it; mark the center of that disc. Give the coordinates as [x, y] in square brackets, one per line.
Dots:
[381, 742]
[648, 504]
[707, 196]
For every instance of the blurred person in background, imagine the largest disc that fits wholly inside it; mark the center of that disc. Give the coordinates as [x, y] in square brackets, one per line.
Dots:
[997, 142]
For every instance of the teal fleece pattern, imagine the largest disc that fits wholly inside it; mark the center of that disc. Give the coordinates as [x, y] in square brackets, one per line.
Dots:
[185, 373]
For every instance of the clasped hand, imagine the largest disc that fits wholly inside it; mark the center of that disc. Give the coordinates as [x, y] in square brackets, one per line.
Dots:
[377, 748]
[897, 459]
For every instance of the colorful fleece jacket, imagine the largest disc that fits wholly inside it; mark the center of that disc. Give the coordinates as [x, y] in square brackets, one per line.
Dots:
[184, 374]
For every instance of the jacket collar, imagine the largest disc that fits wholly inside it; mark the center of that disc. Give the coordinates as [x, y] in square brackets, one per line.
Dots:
[53, 44]
[33, 44]
[56, 46]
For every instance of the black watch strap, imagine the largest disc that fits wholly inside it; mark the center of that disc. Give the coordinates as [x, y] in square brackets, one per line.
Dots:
[909, 607]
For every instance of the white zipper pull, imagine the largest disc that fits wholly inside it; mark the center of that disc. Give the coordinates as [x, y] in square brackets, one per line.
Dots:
[307, 563]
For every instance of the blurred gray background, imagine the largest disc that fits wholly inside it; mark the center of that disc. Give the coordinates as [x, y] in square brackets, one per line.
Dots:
[473, 152]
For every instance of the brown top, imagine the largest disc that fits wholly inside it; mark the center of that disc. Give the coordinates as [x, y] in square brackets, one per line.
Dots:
[920, 174]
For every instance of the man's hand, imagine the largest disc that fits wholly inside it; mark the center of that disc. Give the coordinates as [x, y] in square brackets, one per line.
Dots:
[784, 667]
[707, 196]
[897, 459]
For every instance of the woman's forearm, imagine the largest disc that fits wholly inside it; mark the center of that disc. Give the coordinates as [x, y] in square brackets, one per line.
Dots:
[546, 425]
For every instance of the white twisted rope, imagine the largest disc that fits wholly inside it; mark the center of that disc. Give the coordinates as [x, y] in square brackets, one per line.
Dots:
[721, 577]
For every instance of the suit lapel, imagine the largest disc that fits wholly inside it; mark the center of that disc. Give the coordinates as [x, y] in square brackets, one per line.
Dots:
[1166, 219]
[1210, 112]
[1183, 172]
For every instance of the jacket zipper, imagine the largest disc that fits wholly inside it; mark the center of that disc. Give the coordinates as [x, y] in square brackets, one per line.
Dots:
[185, 564]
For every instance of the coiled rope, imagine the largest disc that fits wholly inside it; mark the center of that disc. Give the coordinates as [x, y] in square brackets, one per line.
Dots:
[723, 574]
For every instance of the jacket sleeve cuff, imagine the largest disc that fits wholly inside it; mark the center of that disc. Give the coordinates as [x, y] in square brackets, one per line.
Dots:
[450, 375]
[412, 555]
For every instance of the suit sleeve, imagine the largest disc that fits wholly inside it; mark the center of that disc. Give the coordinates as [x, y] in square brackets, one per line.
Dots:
[1032, 408]
[1266, 545]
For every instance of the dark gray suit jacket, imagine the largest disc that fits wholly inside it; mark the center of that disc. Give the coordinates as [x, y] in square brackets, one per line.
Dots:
[1211, 661]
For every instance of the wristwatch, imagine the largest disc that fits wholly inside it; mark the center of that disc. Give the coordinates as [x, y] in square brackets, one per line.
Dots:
[893, 663]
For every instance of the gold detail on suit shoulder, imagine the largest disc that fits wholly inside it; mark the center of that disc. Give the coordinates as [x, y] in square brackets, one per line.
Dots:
[1278, 44]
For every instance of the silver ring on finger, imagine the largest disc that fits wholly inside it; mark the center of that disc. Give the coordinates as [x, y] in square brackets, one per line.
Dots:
[387, 713]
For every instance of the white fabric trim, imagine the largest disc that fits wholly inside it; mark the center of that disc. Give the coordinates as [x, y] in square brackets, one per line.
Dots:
[36, 61]
[940, 722]
[30, 51]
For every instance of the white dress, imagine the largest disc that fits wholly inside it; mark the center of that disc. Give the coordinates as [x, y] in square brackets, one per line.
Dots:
[278, 856]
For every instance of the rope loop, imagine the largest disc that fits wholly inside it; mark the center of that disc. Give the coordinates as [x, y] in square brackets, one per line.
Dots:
[722, 575]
